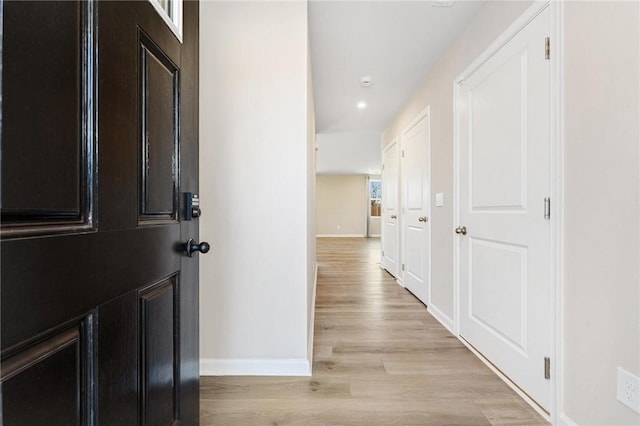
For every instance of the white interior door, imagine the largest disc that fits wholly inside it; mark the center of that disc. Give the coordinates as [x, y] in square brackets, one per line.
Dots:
[390, 193]
[415, 206]
[503, 110]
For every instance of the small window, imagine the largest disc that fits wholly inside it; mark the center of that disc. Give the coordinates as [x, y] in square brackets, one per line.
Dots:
[375, 196]
[171, 12]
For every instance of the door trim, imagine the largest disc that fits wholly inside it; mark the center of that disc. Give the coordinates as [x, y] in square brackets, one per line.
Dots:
[556, 107]
[557, 208]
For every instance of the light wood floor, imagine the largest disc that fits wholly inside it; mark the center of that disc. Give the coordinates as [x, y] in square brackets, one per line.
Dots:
[379, 359]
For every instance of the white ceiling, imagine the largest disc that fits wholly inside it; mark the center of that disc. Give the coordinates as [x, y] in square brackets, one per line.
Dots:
[394, 42]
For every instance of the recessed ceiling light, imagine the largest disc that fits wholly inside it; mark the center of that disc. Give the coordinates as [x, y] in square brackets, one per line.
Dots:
[362, 105]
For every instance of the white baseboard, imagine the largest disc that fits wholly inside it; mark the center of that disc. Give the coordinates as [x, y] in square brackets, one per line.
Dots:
[564, 420]
[508, 381]
[441, 317]
[340, 235]
[312, 320]
[254, 367]
[375, 235]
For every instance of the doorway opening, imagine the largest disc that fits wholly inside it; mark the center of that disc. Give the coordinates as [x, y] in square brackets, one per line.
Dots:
[374, 206]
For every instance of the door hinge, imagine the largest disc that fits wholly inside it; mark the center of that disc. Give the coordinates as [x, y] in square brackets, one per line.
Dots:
[382, 253]
[403, 266]
[403, 153]
[547, 367]
[383, 167]
[547, 208]
[547, 48]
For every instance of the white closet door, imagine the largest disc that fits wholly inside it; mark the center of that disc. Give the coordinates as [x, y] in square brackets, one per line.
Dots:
[504, 180]
[390, 210]
[416, 207]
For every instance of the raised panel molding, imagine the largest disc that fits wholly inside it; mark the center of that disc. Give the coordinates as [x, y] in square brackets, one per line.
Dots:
[159, 351]
[57, 186]
[54, 371]
[505, 85]
[498, 270]
[159, 139]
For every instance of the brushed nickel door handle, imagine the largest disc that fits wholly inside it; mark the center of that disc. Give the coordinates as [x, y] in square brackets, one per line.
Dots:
[461, 230]
[393, 216]
[422, 219]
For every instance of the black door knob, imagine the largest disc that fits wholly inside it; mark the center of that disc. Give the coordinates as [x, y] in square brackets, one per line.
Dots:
[192, 246]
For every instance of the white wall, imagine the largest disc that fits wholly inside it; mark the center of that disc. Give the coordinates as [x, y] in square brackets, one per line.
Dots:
[601, 219]
[374, 226]
[437, 91]
[341, 205]
[255, 179]
[349, 153]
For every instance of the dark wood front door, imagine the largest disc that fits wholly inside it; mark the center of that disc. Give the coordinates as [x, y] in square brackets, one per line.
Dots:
[99, 146]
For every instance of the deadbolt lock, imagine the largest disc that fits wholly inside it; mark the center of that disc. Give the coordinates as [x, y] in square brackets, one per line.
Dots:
[192, 206]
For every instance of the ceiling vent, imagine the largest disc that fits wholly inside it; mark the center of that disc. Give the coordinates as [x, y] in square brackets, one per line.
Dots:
[442, 3]
[366, 81]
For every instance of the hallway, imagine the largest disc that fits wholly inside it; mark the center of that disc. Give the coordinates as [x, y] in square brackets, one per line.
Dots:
[379, 359]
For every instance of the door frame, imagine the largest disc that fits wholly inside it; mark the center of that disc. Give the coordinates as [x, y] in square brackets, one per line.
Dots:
[425, 113]
[556, 111]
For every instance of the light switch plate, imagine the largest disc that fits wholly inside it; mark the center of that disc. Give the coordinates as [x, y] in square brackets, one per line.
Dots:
[439, 199]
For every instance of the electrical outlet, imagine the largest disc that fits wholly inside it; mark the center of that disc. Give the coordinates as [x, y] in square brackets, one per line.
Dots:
[628, 389]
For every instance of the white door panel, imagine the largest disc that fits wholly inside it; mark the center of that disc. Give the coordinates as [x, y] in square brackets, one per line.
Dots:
[416, 207]
[414, 265]
[503, 127]
[505, 286]
[390, 214]
[497, 164]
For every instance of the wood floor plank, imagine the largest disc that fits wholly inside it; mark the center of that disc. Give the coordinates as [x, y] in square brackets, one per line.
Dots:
[380, 359]
[333, 366]
[507, 412]
[251, 387]
[454, 386]
[437, 412]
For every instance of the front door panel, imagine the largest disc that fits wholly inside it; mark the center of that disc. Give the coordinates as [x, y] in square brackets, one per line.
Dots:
[99, 141]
